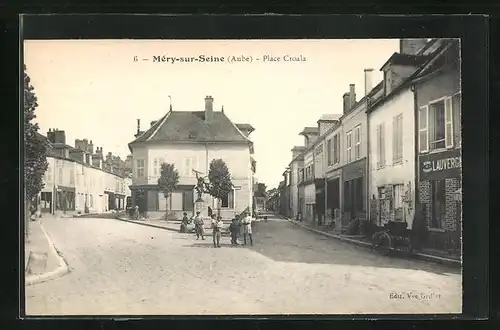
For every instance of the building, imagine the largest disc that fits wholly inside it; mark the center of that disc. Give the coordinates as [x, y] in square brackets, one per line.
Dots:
[391, 134]
[306, 184]
[190, 140]
[354, 146]
[296, 169]
[284, 194]
[75, 182]
[438, 143]
[333, 171]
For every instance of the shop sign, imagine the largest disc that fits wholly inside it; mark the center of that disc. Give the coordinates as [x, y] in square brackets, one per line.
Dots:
[440, 165]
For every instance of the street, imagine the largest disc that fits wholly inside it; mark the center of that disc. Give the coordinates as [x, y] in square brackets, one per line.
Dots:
[119, 268]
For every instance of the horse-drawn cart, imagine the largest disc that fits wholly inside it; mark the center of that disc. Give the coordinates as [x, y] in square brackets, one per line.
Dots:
[394, 236]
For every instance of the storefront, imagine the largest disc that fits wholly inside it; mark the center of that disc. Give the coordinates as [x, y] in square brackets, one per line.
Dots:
[440, 186]
[320, 185]
[354, 190]
[333, 195]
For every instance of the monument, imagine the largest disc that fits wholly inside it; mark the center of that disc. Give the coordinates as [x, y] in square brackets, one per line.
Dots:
[200, 204]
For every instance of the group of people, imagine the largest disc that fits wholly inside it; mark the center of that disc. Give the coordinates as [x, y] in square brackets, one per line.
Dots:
[244, 220]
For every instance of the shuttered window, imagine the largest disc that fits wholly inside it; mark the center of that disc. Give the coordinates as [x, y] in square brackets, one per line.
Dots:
[329, 152]
[357, 142]
[457, 119]
[448, 119]
[381, 145]
[348, 146]
[397, 139]
[423, 129]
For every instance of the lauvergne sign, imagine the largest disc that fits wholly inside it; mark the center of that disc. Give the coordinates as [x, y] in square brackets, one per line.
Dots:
[437, 166]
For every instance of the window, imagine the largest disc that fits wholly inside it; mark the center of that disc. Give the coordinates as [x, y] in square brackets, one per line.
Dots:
[457, 118]
[357, 142]
[381, 145]
[301, 175]
[398, 191]
[438, 204]
[228, 201]
[329, 152]
[349, 146]
[49, 173]
[60, 175]
[336, 149]
[436, 125]
[140, 168]
[190, 164]
[397, 139]
[156, 170]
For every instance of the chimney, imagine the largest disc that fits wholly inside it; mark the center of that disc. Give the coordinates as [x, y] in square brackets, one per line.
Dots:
[51, 136]
[411, 46]
[346, 102]
[368, 80]
[153, 122]
[138, 126]
[209, 108]
[91, 147]
[352, 96]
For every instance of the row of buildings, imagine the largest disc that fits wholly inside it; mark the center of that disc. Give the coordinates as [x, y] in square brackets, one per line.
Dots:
[395, 150]
[82, 179]
[190, 140]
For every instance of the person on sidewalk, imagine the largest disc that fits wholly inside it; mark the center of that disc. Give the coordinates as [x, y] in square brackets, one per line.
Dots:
[216, 231]
[234, 229]
[185, 222]
[198, 223]
[247, 228]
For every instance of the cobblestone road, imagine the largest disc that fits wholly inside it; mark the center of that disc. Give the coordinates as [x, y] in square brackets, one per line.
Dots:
[124, 268]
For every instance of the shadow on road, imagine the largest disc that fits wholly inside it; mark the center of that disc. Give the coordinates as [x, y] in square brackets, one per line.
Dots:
[279, 240]
[209, 244]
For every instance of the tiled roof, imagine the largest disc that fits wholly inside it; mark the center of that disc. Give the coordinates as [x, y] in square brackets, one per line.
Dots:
[191, 126]
[310, 130]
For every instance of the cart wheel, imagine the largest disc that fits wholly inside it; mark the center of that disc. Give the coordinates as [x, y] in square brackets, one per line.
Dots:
[382, 243]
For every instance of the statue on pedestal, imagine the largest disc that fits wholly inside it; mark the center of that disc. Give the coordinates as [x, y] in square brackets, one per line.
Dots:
[200, 186]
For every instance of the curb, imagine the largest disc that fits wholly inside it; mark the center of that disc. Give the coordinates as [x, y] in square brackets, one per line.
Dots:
[419, 256]
[61, 270]
[146, 224]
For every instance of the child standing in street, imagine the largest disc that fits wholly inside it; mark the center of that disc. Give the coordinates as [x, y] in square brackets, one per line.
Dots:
[234, 228]
[216, 231]
[198, 222]
[247, 223]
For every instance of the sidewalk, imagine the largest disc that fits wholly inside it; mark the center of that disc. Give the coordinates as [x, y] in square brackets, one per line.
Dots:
[426, 255]
[172, 225]
[42, 261]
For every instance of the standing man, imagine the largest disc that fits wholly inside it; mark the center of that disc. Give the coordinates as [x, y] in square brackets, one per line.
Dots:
[234, 228]
[216, 231]
[198, 223]
[247, 229]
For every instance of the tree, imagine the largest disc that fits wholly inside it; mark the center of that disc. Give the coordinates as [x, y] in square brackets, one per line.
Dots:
[35, 147]
[169, 178]
[219, 181]
[261, 190]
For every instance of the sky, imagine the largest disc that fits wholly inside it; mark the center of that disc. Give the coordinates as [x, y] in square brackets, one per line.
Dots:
[94, 89]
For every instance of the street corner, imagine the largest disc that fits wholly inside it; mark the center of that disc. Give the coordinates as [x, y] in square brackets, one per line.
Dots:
[44, 262]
